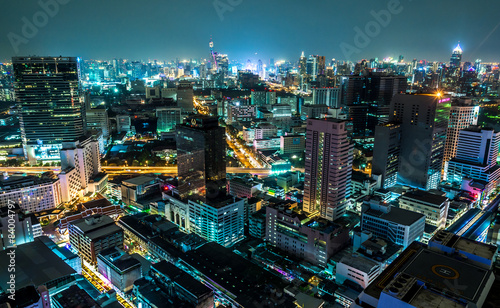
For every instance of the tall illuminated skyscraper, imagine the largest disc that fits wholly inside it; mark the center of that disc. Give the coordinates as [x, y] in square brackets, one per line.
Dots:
[201, 158]
[463, 113]
[328, 168]
[424, 121]
[50, 104]
[456, 57]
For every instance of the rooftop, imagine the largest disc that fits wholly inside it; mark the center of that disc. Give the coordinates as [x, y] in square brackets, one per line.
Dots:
[239, 276]
[140, 180]
[424, 196]
[397, 215]
[359, 262]
[36, 264]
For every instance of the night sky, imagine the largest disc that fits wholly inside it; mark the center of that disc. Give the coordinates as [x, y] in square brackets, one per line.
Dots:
[251, 29]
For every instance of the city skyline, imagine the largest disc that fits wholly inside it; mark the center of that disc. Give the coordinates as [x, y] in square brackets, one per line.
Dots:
[112, 32]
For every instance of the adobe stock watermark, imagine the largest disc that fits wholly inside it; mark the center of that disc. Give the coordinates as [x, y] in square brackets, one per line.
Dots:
[373, 28]
[11, 247]
[223, 6]
[31, 26]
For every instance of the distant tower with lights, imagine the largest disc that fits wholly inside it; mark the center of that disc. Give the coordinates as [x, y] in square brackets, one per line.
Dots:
[456, 57]
[213, 55]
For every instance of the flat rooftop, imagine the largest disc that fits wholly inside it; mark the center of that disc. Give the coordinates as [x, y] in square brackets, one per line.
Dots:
[438, 270]
[397, 215]
[237, 275]
[424, 196]
[359, 262]
[36, 264]
[140, 180]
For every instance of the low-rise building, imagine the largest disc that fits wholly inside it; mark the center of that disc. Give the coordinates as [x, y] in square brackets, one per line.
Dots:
[89, 236]
[119, 268]
[33, 194]
[220, 220]
[434, 207]
[358, 269]
[312, 239]
[398, 225]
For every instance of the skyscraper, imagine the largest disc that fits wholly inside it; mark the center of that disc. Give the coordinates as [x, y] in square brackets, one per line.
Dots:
[386, 153]
[302, 64]
[328, 168]
[463, 113]
[327, 96]
[424, 120]
[185, 97]
[50, 105]
[456, 57]
[201, 158]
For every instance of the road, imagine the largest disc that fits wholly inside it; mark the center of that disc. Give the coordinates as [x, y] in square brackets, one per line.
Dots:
[116, 170]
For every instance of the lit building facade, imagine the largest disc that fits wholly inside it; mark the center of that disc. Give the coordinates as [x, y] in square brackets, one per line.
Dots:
[51, 106]
[328, 168]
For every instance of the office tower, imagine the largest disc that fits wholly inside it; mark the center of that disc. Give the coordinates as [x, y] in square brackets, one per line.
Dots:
[463, 113]
[328, 168]
[201, 157]
[382, 87]
[185, 96]
[353, 90]
[327, 96]
[386, 153]
[80, 166]
[168, 118]
[476, 158]
[50, 105]
[220, 220]
[374, 87]
[289, 230]
[89, 236]
[25, 227]
[33, 194]
[434, 207]
[302, 64]
[456, 58]
[424, 120]
[97, 120]
[391, 223]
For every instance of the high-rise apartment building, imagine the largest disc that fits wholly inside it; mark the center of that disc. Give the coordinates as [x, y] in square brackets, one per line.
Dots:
[80, 165]
[50, 104]
[201, 158]
[424, 121]
[328, 168]
[463, 113]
